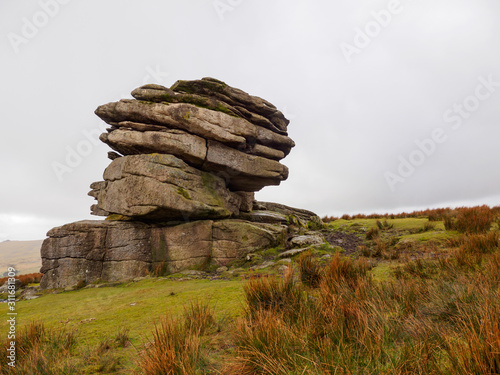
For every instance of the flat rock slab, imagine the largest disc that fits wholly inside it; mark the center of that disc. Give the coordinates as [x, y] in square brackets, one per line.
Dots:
[264, 217]
[110, 251]
[203, 122]
[291, 253]
[266, 264]
[190, 148]
[303, 216]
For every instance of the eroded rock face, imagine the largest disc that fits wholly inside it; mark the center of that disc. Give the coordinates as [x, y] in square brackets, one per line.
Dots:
[206, 123]
[216, 95]
[90, 251]
[78, 252]
[209, 125]
[158, 186]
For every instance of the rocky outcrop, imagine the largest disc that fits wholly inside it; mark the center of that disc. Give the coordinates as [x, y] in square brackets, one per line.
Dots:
[209, 125]
[91, 251]
[179, 192]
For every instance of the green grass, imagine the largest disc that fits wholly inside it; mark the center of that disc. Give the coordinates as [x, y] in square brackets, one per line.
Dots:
[134, 305]
[399, 224]
[387, 294]
[410, 224]
[434, 236]
[383, 271]
[97, 314]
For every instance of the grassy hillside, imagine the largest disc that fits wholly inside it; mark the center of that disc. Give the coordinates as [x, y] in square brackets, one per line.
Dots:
[386, 296]
[23, 255]
[96, 316]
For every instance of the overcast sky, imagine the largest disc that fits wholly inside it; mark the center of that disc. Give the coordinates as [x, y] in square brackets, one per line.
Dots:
[394, 105]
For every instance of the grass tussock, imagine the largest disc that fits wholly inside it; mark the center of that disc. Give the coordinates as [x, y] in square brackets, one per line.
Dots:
[38, 352]
[174, 350]
[273, 294]
[177, 346]
[432, 319]
[472, 248]
[470, 219]
[198, 317]
[309, 269]
[372, 233]
[475, 347]
[44, 351]
[384, 225]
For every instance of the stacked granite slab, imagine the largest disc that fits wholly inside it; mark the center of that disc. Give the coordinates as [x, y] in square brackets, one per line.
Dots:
[195, 151]
[179, 191]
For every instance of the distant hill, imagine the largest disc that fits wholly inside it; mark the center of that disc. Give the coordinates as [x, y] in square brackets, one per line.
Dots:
[24, 256]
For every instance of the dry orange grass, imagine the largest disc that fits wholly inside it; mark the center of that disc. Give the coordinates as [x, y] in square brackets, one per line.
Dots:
[30, 278]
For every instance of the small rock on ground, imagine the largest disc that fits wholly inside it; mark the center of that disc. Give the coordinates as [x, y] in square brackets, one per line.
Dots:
[291, 253]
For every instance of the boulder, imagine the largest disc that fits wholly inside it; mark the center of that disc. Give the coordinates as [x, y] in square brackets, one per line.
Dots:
[77, 252]
[5, 287]
[182, 246]
[234, 239]
[307, 240]
[207, 124]
[221, 269]
[162, 187]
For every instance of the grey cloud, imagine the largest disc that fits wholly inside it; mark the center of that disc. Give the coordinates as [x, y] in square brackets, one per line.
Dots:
[350, 122]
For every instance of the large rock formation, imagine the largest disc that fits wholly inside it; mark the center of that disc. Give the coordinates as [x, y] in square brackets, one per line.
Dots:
[108, 250]
[209, 125]
[179, 191]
